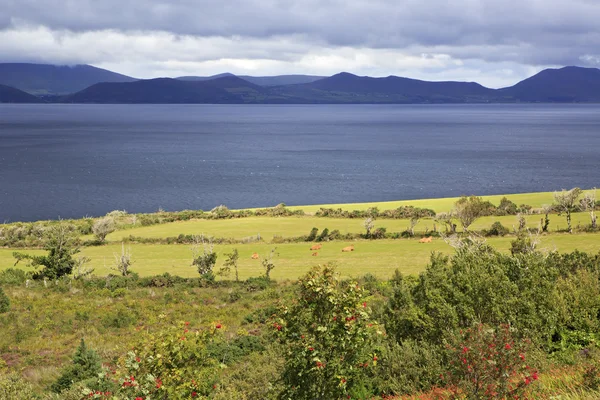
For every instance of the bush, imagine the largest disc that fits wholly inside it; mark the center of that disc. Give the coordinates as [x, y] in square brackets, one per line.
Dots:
[13, 276]
[328, 338]
[4, 302]
[14, 387]
[497, 229]
[103, 227]
[85, 365]
[490, 363]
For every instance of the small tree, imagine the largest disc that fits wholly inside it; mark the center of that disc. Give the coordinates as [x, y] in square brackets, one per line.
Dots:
[566, 203]
[79, 270]
[268, 263]
[103, 227]
[123, 261]
[85, 365]
[588, 204]
[328, 336]
[547, 209]
[232, 262]
[468, 209]
[205, 261]
[62, 244]
[369, 224]
[312, 235]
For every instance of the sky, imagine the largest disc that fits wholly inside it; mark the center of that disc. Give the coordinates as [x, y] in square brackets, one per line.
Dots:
[494, 42]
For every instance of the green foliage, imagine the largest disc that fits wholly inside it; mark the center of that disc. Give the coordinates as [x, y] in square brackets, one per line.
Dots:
[14, 387]
[323, 236]
[231, 261]
[61, 244]
[523, 244]
[85, 365]
[468, 209]
[497, 229]
[268, 263]
[205, 262]
[4, 302]
[328, 338]
[566, 202]
[312, 235]
[174, 363]
[506, 207]
[13, 276]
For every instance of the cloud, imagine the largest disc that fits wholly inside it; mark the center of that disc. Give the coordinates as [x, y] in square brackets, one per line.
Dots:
[495, 41]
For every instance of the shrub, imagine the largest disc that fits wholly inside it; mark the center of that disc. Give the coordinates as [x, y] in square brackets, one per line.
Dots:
[85, 365]
[103, 227]
[14, 387]
[312, 235]
[490, 363]
[13, 276]
[205, 261]
[328, 337]
[497, 229]
[4, 302]
[61, 244]
[379, 233]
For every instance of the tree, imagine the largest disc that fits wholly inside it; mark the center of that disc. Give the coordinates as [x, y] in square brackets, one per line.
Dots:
[448, 220]
[566, 203]
[103, 227]
[123, 260]
[328, 338]
[232, 261]
[268, 263]
[468, 209]
[547, 209]
[62, 244]
[588, 203]
[369, 224]
[86, 364]
[205, 261]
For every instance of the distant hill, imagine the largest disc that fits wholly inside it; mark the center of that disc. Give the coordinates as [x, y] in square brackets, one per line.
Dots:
[11, 95]
[158, 91]
[276, 80]
[44, 79]
[568, 84]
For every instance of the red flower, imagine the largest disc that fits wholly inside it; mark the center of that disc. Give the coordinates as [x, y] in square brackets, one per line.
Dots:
[535, 376]
[465, 349]
[158, 383]
[194, 394]
[218, 326]
[365, 304]
[186, 323]
[310, 349]
[522, 356]
[507, 346]
[139, 398]
[137, 359]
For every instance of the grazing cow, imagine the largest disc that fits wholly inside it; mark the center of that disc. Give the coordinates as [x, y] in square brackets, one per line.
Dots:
[315, 254]
[426, 240]
[348, 248]
[255, 256]
[316, 247]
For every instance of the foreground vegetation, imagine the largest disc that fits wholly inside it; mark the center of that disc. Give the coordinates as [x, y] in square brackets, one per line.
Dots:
[481, 301]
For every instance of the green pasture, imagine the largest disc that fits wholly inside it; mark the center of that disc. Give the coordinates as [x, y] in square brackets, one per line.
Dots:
[378, 257]
[535, 200]
[268, 227]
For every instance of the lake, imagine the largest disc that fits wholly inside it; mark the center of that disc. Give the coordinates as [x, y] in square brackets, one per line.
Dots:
[77, 160]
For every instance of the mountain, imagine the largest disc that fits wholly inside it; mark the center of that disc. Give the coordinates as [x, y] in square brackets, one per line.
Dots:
[276, 80]
[228, 89]
[568, 84]
[44, 79]
[348, 88]
[11, 95]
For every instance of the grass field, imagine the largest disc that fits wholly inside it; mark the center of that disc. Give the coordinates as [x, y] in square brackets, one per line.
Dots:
[378, 257]
[268, 227]
[535, 200]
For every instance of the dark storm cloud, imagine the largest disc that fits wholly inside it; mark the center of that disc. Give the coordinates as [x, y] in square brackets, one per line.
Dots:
[384, 34]
[543, 25]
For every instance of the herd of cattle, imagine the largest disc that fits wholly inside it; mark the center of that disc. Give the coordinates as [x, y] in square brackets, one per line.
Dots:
[346, 249]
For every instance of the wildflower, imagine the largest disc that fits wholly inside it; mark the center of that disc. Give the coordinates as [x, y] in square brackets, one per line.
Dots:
[507, 346]
[218, 326]
[194, 394]
[522, 356]
[137, 359]
[365, 304]
[187, 323]
[465, 349]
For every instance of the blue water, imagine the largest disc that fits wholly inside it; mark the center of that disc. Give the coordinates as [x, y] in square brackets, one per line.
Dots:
[77, 160]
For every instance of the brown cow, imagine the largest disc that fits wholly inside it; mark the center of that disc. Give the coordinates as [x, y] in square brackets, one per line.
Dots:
[315, 254]
[348, 248]
[255, 256]
[426, 240]
[316, 247]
